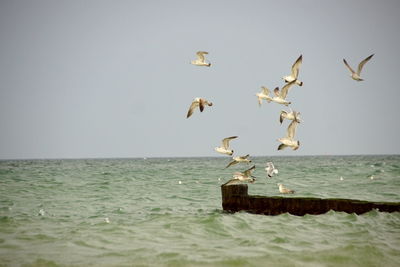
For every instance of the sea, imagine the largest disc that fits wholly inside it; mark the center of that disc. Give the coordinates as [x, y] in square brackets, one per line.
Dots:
[168, 212]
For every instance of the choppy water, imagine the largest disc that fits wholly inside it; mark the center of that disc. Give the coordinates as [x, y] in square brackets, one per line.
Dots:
[134, 212]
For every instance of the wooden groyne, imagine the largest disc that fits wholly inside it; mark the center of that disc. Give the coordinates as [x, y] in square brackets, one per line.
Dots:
[235, 198]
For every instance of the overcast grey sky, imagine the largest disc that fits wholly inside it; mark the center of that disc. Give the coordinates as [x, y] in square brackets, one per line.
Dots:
[112, 78]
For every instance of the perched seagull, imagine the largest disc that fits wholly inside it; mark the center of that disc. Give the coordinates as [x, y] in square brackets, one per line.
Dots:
[201, 60]
[271, 169]
[295, 72]
[285, 190]
[224, 149]
[198, 102]
[264, 94]
[289, 141]
[242, 177]
[289, 115]
[356, 75]
[236, 160]
[280, 96]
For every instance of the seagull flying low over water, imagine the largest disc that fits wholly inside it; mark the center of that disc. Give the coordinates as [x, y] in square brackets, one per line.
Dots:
[289, 115]
[236, 160]
[285, 190]
[289, 141]
[295, 72]
[356, 75]
[201, 60]
[271, 169]
[242, 177]
[224, 149]
[197, 102]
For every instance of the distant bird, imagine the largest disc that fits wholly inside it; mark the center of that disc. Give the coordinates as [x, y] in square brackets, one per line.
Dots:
[236, 160]
[41, 212]
[198, 102]
[264, 94]
[295, 72]
[106, 220]
[289, 115]
[201, 60]
[242, 177]
[224, 149]
[285, 190]
[280, 96]
[289, 141]
[271, 169]
[356, 75]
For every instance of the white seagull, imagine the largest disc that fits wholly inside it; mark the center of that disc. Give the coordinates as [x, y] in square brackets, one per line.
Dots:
[289, 141]
[280, 96]
[295, 72]
[201, 60]
[356, 75]
[271, 170]
[289, 115]
[236, 160]
[224, 149]
[285, 190]
[264, 94]
[242, 177]
[198, 102]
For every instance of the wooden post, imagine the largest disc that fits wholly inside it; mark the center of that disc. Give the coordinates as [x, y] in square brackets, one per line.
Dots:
[235, 198]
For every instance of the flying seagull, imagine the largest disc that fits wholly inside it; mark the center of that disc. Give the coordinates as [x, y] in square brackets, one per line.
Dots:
[264, 94]
[289, 141]
[236, 160]
[356, 75]
[224, 149]
[295, 72]
[289, 115]
[285, 190]
[201, 60]
[271, 169]
[242, 177]
[280, 96]
[197, 102]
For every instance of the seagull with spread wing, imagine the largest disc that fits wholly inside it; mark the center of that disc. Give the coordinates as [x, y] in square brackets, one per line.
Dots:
[295, 72]
[200, 103]
[224, 149]
[356, 75]
[236, 160]
[289, 141]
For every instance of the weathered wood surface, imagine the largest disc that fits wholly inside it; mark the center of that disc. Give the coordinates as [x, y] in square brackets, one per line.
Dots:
[235, 198]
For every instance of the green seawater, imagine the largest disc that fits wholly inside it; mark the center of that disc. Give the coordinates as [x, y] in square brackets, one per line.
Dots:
[134, 212]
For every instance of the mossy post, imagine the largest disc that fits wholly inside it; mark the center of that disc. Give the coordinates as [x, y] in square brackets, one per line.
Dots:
[236, 198]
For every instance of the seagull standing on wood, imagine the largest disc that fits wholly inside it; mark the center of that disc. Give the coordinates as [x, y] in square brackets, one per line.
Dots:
[356, 75]
[197, 102]
[285, 190]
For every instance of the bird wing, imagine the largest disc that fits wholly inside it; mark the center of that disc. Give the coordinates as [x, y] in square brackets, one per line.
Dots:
[281, 117]
[265, 90]
[247, 172]
[285, 89]
[296, 65]
[202, 102]
[362, 63]
[200, 55]
[348, 66]
[192, 107]
[233, 162]
[282, 146]
[276, 91]
[225, 142]
[291, 130]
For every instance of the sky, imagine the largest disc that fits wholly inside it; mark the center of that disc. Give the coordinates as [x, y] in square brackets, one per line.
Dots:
[104, 79]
